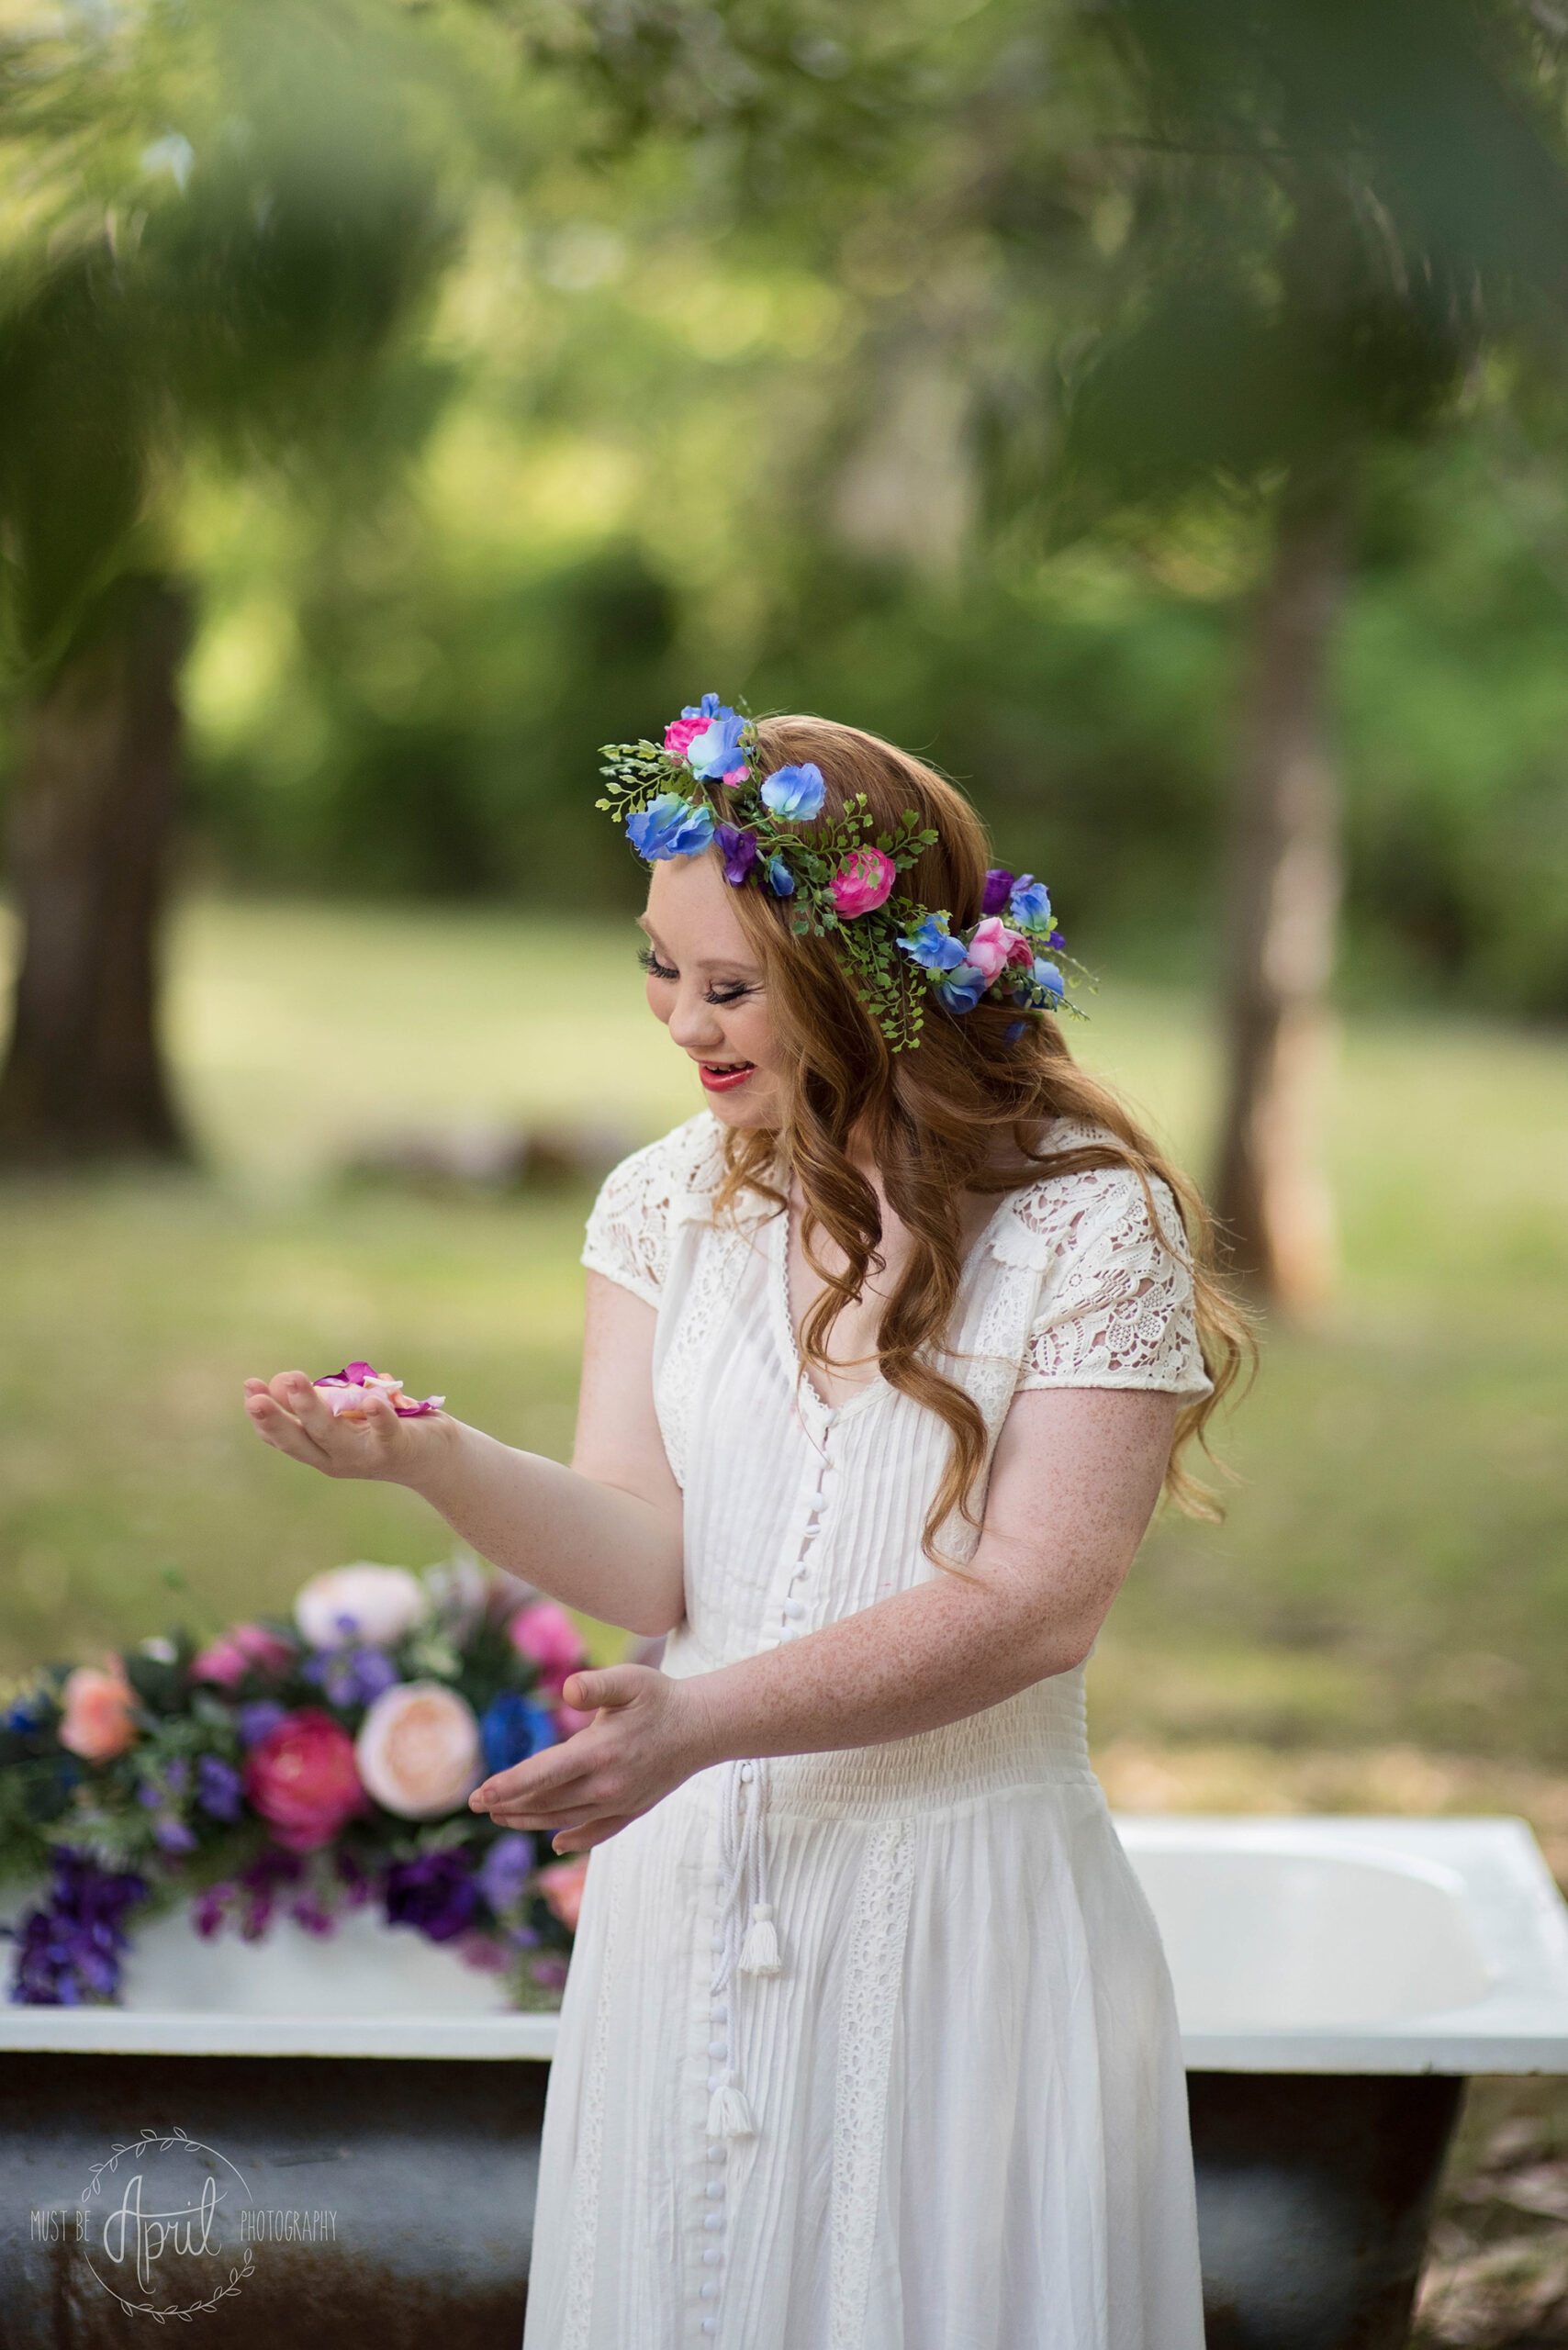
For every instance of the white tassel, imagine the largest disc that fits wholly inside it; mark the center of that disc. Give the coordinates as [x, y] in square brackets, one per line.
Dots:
[729, 2115]
[759, 1952]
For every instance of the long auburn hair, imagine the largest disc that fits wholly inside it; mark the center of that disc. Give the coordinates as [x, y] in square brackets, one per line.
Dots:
[934, 1119]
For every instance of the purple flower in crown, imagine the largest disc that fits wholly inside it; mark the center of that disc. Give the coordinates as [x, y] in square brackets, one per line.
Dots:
[737, 847]
[998, 889]
[670, 826]
[795, 794]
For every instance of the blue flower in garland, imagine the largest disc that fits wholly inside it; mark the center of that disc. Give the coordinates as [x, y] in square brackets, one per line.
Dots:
[218, 1787]
[962, 988]
[513, 1727]
[670, 826]
[930, 944]
[795, 794]
[1048, 978]
[1031, 901]
[780, 880]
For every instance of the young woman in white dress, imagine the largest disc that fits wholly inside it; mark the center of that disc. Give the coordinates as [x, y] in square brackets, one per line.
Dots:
[868, 2040]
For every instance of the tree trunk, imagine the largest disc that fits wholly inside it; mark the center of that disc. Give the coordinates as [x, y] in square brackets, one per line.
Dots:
[90, 835]
[1272, 1194]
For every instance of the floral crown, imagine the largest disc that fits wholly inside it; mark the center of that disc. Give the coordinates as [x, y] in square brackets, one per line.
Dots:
[840, 880]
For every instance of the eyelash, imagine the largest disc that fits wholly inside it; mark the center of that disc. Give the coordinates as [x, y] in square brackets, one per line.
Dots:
[657, 971]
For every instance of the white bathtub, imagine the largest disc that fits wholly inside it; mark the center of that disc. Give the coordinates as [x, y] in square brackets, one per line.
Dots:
[1296, 1945]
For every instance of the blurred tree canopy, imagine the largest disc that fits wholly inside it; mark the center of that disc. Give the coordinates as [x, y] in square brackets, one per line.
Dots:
[798, 353]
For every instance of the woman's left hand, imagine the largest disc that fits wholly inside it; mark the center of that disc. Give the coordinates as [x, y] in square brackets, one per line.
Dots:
[645, 1739]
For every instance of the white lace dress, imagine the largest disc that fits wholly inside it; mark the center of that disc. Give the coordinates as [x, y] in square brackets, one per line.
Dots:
[873, 2049]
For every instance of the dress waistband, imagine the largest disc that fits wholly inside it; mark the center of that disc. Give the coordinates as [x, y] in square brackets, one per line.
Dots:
[1035, 1739]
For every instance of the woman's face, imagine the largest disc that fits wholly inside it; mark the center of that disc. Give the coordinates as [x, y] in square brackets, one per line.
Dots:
[706, 985]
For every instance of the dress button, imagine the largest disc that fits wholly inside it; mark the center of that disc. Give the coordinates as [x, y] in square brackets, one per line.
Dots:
[716, 2153]
[712, 2256]
[709, 2292]
[717, 2047]
[716, 1943]
[713, 2080]
[719, 2010]
[710, 2325]
[794, 1607]
[712, 2219]
[746, 1771]
[715, 2190]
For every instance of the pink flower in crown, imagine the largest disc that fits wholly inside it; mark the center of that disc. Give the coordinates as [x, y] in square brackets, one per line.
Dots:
[993, 946]
[243, 1648]
[546, 1635]
[863, 882]
[681, 734]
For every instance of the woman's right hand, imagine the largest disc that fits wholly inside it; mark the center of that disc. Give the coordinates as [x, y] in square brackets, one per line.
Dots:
[287, 1413]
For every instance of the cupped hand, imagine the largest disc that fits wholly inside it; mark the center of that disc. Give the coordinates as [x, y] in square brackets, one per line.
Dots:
[288, 1413]
[647, 1736]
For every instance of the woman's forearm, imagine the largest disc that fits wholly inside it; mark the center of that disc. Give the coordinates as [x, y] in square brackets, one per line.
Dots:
[916, 1662]
[588, 1544]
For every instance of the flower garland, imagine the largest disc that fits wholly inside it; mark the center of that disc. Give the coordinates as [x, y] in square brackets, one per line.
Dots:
[312, 1766]
[840, 878]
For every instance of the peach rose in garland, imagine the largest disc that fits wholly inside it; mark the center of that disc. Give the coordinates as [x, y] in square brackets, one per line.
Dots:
[301, 1778]
[562, 1886]
[863, 882]
[419, 1749]
[97, 1711]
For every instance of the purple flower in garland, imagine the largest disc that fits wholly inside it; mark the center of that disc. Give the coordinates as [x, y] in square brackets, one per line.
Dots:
[998, 889]
[437, 1893]
[352, 1676]
[258, 1719]
[172, 1835]
[737, 847]
[68, 1952]
[218, 1788]
[506, 1869]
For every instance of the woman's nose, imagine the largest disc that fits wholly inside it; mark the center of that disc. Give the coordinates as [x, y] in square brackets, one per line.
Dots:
[693, 1024]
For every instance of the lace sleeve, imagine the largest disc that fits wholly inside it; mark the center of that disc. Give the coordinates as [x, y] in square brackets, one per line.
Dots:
[628, 1229]
[1115, 1306]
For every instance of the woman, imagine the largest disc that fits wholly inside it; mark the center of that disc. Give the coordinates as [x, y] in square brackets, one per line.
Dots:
[868, 2042]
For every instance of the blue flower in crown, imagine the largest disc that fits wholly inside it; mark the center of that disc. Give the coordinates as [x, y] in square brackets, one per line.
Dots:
[670, 826]
[795, 794]
[1046, 977]
[715, 755]
[780, 880]
[1031, 902]
[962, 988]
[930, 944]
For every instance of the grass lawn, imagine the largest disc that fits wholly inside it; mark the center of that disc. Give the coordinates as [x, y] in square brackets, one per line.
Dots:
[1394, 1568]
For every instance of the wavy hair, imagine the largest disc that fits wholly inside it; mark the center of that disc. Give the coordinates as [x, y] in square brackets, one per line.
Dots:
[933, 1119]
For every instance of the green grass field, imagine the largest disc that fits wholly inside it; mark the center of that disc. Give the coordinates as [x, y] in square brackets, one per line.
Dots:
[1394, 1564]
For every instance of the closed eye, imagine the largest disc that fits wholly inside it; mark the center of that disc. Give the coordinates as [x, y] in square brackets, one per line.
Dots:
[653, 968]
